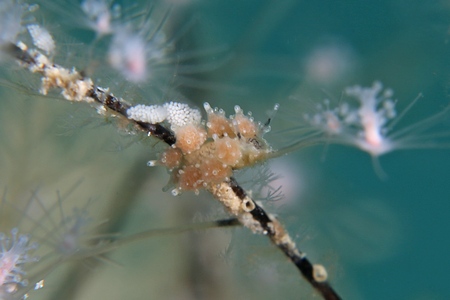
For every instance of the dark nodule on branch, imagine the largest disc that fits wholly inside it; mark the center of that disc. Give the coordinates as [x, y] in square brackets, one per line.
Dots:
[307, 269]
[258, 213]
[228, 222]
[18, 53]
[104, 97]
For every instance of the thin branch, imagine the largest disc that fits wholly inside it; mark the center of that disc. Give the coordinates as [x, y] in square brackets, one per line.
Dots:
[254, 217]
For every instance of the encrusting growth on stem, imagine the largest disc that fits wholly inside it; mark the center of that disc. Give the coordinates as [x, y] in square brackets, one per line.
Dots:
[201, 155]
[254, 217]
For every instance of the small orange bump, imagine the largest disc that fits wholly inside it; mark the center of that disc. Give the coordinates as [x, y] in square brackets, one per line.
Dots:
[171, 158]
[245, 126]
[219, 125]
[190, 138]
[214, 171]
[228, 151]
[189, 178]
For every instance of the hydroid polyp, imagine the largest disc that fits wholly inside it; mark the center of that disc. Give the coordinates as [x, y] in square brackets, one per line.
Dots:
[15, 256]
[367, 118]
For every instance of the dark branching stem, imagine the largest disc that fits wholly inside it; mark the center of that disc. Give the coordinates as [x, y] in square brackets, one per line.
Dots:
[100, 96]
[157, 130]
[301, 262]
[229, 193]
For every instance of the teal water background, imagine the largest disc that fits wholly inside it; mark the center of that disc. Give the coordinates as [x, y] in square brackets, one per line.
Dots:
[389, 237]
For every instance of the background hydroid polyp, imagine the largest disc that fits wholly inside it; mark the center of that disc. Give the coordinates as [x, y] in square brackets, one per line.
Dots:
[367, 118]
[14, 258]
[366, 257]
